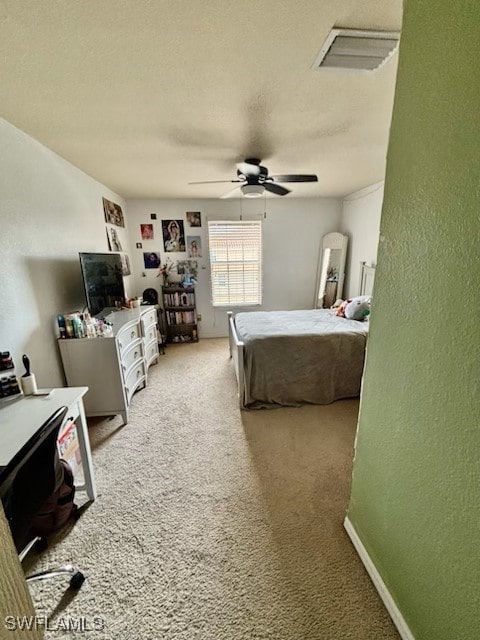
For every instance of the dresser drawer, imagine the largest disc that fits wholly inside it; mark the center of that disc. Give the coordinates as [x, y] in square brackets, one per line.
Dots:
[150, 333]
[151, 352]
[135, 378]
[148, 318]
[133, 353]
[127, 335]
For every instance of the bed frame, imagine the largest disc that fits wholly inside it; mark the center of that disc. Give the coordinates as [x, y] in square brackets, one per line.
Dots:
[367, 275]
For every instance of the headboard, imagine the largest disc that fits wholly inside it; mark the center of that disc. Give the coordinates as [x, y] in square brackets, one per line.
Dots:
[367, 276]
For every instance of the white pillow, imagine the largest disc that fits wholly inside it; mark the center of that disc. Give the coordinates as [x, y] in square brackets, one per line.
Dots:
[358, 308]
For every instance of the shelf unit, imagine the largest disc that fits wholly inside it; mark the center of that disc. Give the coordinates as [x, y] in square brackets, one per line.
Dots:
[180, 312]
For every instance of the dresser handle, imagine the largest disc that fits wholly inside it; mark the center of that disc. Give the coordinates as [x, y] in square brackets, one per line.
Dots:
[139, 373]
[120, 345]
[132, 335]
[135, 354]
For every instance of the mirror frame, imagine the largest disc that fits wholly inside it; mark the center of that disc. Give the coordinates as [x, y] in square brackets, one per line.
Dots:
[332, 241]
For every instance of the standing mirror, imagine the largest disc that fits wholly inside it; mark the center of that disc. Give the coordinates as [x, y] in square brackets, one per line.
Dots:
[331, 270]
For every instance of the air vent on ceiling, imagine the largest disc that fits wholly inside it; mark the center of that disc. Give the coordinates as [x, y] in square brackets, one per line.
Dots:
[356, 49]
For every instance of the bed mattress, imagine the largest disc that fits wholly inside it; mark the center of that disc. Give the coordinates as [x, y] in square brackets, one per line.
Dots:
[297, 357]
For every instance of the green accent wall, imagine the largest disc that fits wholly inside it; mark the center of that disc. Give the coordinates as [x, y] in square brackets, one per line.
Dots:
[415, 500]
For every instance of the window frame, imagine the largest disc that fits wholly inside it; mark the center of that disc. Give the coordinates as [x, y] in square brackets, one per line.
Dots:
[259, 262]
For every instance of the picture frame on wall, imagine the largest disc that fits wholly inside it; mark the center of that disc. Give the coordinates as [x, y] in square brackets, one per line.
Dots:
[194, 246]
[194, 218]
[115, 243]
[151, 259]
[173, 236]
[146, 231]
[113, 213]
[126, 271]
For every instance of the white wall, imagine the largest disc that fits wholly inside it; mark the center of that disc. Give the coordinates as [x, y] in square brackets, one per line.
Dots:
[361, 223]
[292, 232]
[49, 211]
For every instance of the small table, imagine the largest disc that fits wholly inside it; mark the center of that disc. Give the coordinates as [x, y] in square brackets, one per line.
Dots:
[21, 417]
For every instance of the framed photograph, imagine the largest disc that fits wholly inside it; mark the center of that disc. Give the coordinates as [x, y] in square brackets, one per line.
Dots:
[113, 213]
[194, 246]
[193, 268]
[147, 231]
[173, 235]
[151, 259]
[153, 216]
[108, 239]
[125, 264]
[194, 218]
[139, 245]
[115, 240]
[187, 267]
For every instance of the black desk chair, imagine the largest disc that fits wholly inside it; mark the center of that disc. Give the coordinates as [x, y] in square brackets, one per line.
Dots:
[25, 483]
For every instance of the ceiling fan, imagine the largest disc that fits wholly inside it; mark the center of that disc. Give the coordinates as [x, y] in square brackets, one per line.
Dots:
[254, 180]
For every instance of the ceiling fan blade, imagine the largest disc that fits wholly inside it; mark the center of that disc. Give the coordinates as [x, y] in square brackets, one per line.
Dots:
[230, 193]
[276, 188]
[294, 178]
[215, 181]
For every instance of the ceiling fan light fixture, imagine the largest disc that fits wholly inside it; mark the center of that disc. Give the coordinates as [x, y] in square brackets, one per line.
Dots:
[252, 190]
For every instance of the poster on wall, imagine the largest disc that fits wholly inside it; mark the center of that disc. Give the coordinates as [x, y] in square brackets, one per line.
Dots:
[147, 231]
[151, 259]
[194, 246]
[115, 244]
[187, 267]
[194, 218]
[125, 264]
[113, 213]
[173, 235]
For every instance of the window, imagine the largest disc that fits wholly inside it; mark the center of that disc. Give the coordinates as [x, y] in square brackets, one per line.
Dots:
[236, 262]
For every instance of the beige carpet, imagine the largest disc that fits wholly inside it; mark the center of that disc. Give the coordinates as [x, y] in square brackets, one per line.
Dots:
[216, 525]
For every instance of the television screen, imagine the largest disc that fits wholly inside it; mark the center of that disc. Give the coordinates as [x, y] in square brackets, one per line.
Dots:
[102, 279]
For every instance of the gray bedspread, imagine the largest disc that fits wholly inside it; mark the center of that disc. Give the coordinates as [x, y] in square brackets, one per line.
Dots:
[297, 357]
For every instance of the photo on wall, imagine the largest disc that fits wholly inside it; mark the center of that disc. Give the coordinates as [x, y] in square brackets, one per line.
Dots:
[194, 218]
[173, 235]
[126, 271]
[113, 213]
[147, 231]
[114, 240]
[194, 246]
[187, 268]
[151, 259]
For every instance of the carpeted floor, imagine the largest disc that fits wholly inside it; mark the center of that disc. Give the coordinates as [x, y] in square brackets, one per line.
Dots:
[215, 525]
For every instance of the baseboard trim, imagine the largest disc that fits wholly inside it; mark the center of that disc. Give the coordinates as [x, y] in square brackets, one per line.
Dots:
[378, 583]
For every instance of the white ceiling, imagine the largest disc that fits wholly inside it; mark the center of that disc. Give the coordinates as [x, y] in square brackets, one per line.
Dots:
[147, 95]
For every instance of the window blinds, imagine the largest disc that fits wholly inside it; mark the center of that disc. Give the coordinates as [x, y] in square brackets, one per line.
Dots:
[236, 262]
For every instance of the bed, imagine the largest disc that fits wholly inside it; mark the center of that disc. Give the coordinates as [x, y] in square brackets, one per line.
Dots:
[290, 358]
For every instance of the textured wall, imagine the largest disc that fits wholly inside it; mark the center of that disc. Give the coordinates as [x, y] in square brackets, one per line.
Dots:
[49, 212]
[415, 496]
[361, 213]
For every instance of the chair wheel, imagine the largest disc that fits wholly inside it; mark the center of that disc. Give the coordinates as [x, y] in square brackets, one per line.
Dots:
[77, 580]
[41, 544]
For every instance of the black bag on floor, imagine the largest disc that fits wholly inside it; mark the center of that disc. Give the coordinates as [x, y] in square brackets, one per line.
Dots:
[58, 507]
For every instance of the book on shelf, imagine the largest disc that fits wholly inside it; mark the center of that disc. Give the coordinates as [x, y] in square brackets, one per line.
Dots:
[181, 317]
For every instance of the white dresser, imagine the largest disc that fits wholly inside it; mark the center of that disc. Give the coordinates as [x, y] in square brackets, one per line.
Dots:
[113, 368]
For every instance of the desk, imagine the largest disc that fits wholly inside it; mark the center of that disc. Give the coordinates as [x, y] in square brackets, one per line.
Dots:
[20, 418]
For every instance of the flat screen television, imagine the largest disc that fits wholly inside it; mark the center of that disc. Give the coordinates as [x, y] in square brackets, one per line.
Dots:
[102, 279]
